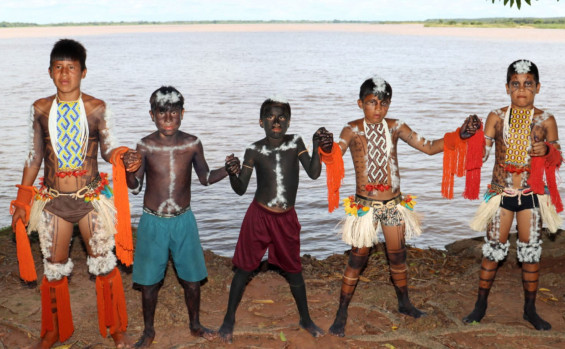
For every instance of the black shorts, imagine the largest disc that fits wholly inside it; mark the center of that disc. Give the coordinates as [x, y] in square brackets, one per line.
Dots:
[527, 202]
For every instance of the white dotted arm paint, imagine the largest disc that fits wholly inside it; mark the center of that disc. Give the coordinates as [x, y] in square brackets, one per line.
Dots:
[30, 137]
[108, 140]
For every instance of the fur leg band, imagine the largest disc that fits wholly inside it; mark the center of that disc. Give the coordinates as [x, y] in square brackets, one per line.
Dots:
[495, 250]
[529, 252]
[102, 264]
[57, 271]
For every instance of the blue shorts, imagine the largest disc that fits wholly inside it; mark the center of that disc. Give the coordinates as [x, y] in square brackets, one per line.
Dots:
[156, 236]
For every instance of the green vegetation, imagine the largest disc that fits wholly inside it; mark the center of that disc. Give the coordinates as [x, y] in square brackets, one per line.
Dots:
[518, 2]
[543, 23]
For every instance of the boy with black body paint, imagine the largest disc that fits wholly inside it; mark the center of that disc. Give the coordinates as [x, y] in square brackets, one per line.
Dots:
[271, 221]
[168, 224]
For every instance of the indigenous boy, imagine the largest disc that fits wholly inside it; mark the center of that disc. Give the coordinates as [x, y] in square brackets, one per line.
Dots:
[66, 130]
[167, 223]
[526, 144]
[378, 200]
[271, 221]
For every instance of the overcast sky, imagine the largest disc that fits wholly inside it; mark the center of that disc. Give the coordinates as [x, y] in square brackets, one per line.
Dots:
[56, 11]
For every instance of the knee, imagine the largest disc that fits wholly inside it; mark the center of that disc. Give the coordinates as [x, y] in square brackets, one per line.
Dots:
[495, 251]
[529, 252]
[57, 271]
[295, 279]
[358, 258]
[397, 257]
[101, 265]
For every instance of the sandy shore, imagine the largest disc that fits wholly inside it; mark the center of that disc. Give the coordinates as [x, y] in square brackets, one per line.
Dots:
[517, 34]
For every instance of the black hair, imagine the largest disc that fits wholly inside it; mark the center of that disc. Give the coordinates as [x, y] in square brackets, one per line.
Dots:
[533, 69]
[368, 87]
[269, 103]
[173, 99]
[68, 49]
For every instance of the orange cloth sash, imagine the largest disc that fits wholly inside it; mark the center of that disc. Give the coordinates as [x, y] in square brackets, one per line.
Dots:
[334, 173]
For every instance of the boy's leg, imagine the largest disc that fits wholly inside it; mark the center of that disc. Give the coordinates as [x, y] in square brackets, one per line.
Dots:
[192, 300]
[298, 290]
[112, 313]
[396, 253]
[494, 251]
[149, 295]
[529, 253]
[238, 284]
[56, 321]
[486, 278]
[357, 260]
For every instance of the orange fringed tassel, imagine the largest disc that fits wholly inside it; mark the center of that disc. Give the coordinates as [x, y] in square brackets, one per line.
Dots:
[473, 164]
[334, 173]
[25, 258]
[548, 164]
[124, 239]
[111, 303]
[62, 304]
[454, 150]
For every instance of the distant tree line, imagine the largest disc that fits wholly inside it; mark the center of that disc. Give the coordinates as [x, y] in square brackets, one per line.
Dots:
[544, 23]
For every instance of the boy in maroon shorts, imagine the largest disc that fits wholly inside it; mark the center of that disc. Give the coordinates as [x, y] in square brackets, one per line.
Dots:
[271, 221]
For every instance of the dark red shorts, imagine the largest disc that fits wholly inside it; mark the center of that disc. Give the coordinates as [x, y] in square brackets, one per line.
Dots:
[262, 229]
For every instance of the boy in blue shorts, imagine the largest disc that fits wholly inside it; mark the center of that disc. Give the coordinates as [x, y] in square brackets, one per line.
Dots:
[167, 223]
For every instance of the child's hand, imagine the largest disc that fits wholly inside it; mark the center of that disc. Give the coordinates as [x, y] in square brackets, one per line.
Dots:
[131, 160]
[538, 148]
[324, 139]
[471, 124]
[233, 166]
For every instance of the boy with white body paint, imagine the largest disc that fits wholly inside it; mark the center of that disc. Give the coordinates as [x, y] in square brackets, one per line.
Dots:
[66, 131]
[378, 201]
[167, 223]
[271, 221]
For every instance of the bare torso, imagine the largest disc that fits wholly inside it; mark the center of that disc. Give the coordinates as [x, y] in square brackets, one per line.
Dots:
[353, 137]
[42, 149]
[543, 128]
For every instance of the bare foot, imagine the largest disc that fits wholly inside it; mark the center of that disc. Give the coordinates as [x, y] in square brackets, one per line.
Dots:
[411, 310]
[121, 340]
[338, 327]
[226, 333]
[314, 330]
[44, 343]
[145, 340]
[201, 331]
[47, 341]
[477, 314]
[539, 323]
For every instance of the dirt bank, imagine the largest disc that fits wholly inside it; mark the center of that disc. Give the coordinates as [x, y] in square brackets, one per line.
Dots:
[442, 283]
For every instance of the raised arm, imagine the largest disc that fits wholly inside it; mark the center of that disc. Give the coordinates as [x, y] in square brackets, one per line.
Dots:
[240, 175]
[205, 176]
[416, 141]
[134, 178]
[345, 138]
[547, 127]
[312, 164]
[106, 130]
